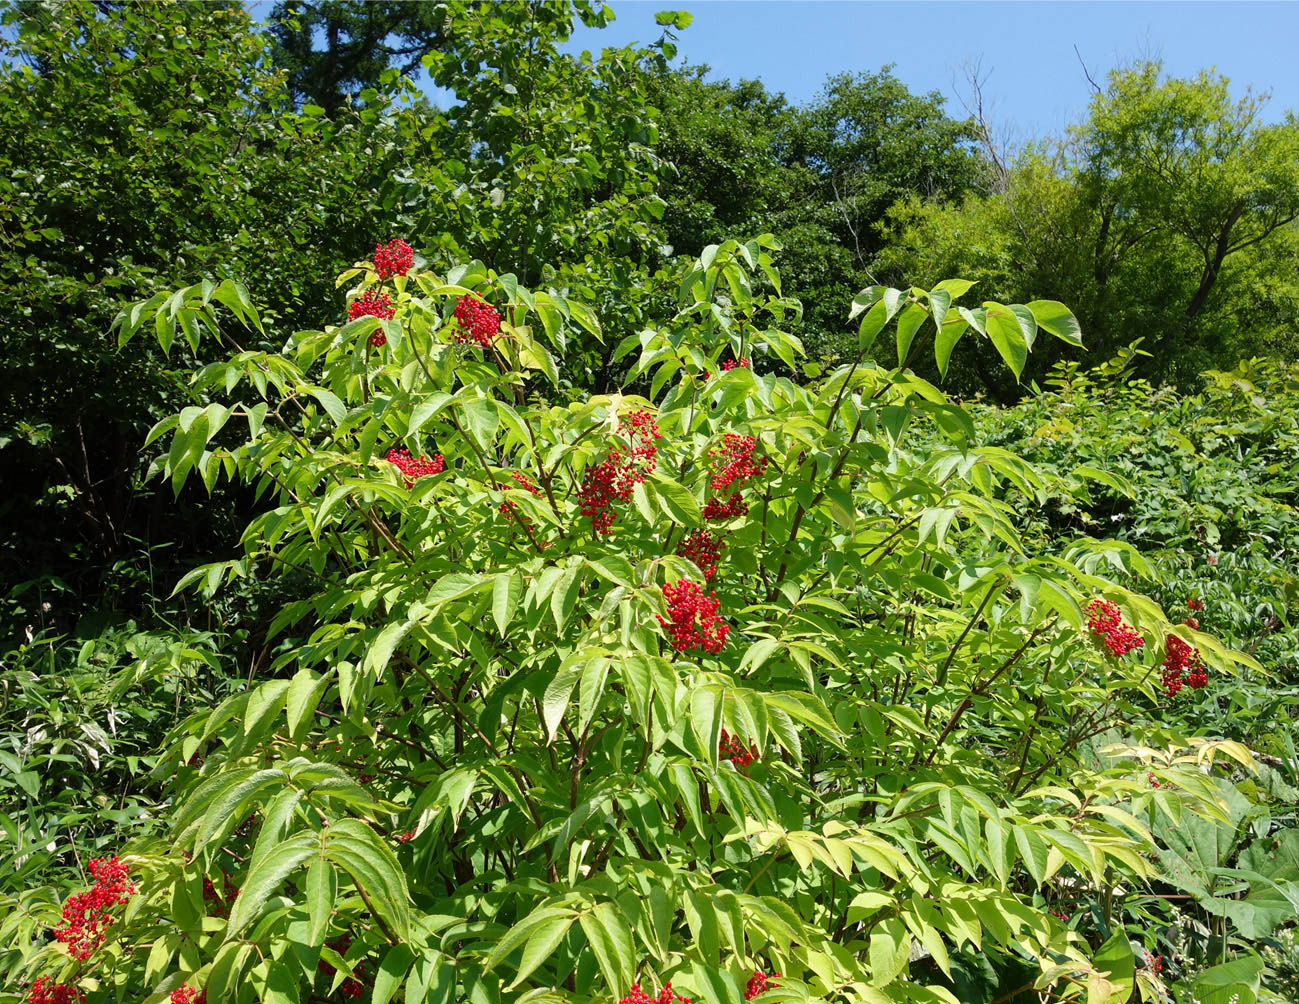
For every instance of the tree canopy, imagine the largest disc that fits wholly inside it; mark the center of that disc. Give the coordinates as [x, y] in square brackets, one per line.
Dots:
[332, 51]
[1170, 185]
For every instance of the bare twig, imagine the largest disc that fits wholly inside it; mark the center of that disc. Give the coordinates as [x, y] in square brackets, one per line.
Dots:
[1086, 72]
[995, 147]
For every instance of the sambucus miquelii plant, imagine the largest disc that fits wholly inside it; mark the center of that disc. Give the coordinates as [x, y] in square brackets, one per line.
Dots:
[516, 753]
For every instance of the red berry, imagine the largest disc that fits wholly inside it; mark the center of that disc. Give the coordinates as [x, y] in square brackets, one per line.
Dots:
[395, 258]
[734, 750]
[729, 365]
[734, 467]
[479, 322]
[1105, 620]
[666, 996]
[46, 991]
[692, 620]
[372, 304]
[734, 462]
[413, 469]
[185, 994]
[760, 983]
[524, 482]
[704, 548]
[1182, 666]
[725, 509]
[219, 901]
[615, 478]
[86, 914]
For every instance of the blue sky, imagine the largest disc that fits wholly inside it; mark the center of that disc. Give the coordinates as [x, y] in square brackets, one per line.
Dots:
[1034, 81]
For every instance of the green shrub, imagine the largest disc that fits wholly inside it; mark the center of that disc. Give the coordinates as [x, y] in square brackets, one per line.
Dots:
[743, 676]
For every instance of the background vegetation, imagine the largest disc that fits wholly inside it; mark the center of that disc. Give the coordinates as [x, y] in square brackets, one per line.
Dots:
[146, 147]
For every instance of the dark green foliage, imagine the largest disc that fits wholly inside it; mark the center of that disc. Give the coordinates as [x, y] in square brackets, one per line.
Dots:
[547, 158]
[718, 141]
[361, 39]
[870, 142]
[821, 178]
[138, 142]
[143, 140]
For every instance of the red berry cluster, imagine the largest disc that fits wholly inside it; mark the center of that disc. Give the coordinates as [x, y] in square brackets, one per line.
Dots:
[372, 304]
[479, 322]
[725, 509]
[394, 258]
[644, 430]
[219, 902]
[731, 748]
[704, 548]
[760, 983]
[1192, 603]
[352, 986]
[1058, 915]
[692, 620]
[602, 485]
[734, 467]
[729, 365]
[666, 996]
[1153, 781]
[86, 913]
[1155, 963]
[1105, 620]
[614, 478]
[524, 482]
[46, 991]
[414, 469]
[407, 837]
[734, 463]
[1182, 666]
[185, 994]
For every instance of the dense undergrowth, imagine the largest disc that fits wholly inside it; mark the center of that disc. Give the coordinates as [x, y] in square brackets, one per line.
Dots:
[825, 690]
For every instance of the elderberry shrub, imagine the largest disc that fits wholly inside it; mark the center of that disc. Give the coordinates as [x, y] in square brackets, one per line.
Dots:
[512, 748]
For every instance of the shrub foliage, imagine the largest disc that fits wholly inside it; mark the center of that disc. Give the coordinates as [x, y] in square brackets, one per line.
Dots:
[721, 677]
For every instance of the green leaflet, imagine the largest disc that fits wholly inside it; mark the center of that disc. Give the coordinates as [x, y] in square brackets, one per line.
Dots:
[277, 865]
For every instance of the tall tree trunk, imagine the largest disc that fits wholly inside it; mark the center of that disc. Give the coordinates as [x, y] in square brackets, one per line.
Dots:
[331, 97]
[1214, 256]
[1102, 262]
